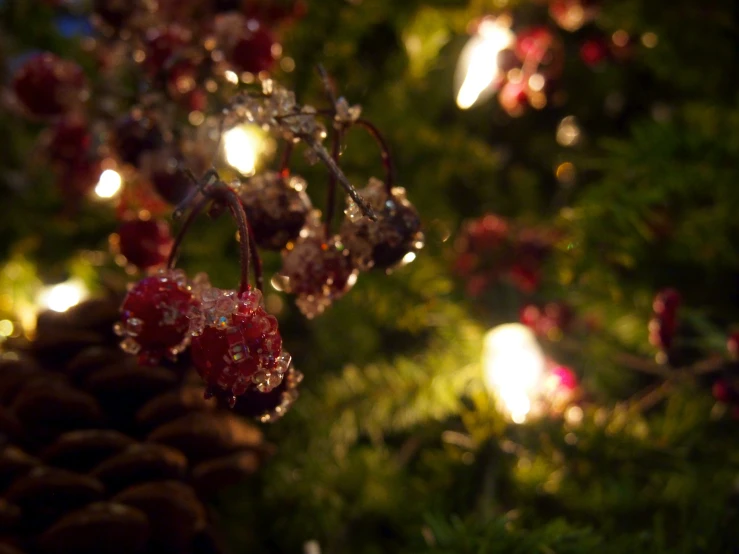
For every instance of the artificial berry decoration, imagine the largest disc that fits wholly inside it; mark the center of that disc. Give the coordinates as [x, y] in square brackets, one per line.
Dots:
[269, 406]
[171, 183]
[134, 136]
[69, 139]
[162, 44]
[390, 240]
[47, 85]
[594, 51]
[277, 208]
[663, 326]
[254, 50]
[318, 272]
[236, 344]
[154, 316]
[145, 243]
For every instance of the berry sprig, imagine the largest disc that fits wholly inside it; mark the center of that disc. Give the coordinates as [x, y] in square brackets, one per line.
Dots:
[235, 345]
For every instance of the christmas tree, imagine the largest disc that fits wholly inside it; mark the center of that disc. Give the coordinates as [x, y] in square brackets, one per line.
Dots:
[497, 238]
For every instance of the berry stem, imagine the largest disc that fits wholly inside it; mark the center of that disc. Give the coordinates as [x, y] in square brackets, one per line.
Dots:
[331, 200]
[231, 199]
[387, 159]
[194, 213]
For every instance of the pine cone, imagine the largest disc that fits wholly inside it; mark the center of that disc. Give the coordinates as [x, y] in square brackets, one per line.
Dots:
[100, 455]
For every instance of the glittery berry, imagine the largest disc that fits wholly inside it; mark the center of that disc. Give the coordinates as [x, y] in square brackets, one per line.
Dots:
[318, 272]
[663, 326]
[145, 243]
[134, 136]
[236, 344]
[47, 85]
[392, 239]
[277, 208]
[154, 321]
[270, 406]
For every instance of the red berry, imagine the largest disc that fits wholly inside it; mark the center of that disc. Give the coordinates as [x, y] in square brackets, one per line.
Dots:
[253, 50]
[525, 279]
[318, 273]
[277, 208]
[154, 320]
[533, 43]
[565, 378]
[391, 240]
[269, 406]
[145, 243]
[487, 233]
[48, 85]
[69, 140]
[236, 343]
[162, 44]
[530, 316]
[171, 183]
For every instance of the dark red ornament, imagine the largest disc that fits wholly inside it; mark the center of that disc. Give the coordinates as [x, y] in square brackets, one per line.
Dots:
[663, 326]
[318, 272]
[277, 208]
[387, 242]
[163, 44]
[134, 136]
[253, 51]
[594, 51]
[69, 140]
[154, 316]
[236, 344]
[47, 85]
[145, 243]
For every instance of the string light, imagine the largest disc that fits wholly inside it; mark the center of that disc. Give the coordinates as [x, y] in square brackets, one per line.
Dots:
[242, 146]
[62, 297]
[514, 368]
[109, 184]
[478, 68]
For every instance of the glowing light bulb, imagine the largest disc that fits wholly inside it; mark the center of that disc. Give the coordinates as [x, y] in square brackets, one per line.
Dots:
[242, 146]
[514, 368]
[61, 297]
[109, 184]
[478, 64]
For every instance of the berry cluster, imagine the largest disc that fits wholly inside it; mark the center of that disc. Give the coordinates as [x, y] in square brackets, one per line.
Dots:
[664, 324]
[381, 228]
[490, 250]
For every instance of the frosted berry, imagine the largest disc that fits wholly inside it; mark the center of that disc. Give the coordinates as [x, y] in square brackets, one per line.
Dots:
[134, 136]
[154, 321]
[47, 85]
[145, 243]
[270, 406]
[161, 45]
[390, 240]
[318, 272]
[277, 208]
[236, 344]
[663, 326]
[69, 139]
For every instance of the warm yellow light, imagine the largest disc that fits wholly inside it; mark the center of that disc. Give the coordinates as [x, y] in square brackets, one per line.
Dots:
[242, 146]
[61, 297]
[6, 328]
[109, 184]
[514, 367]
[479, 61]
